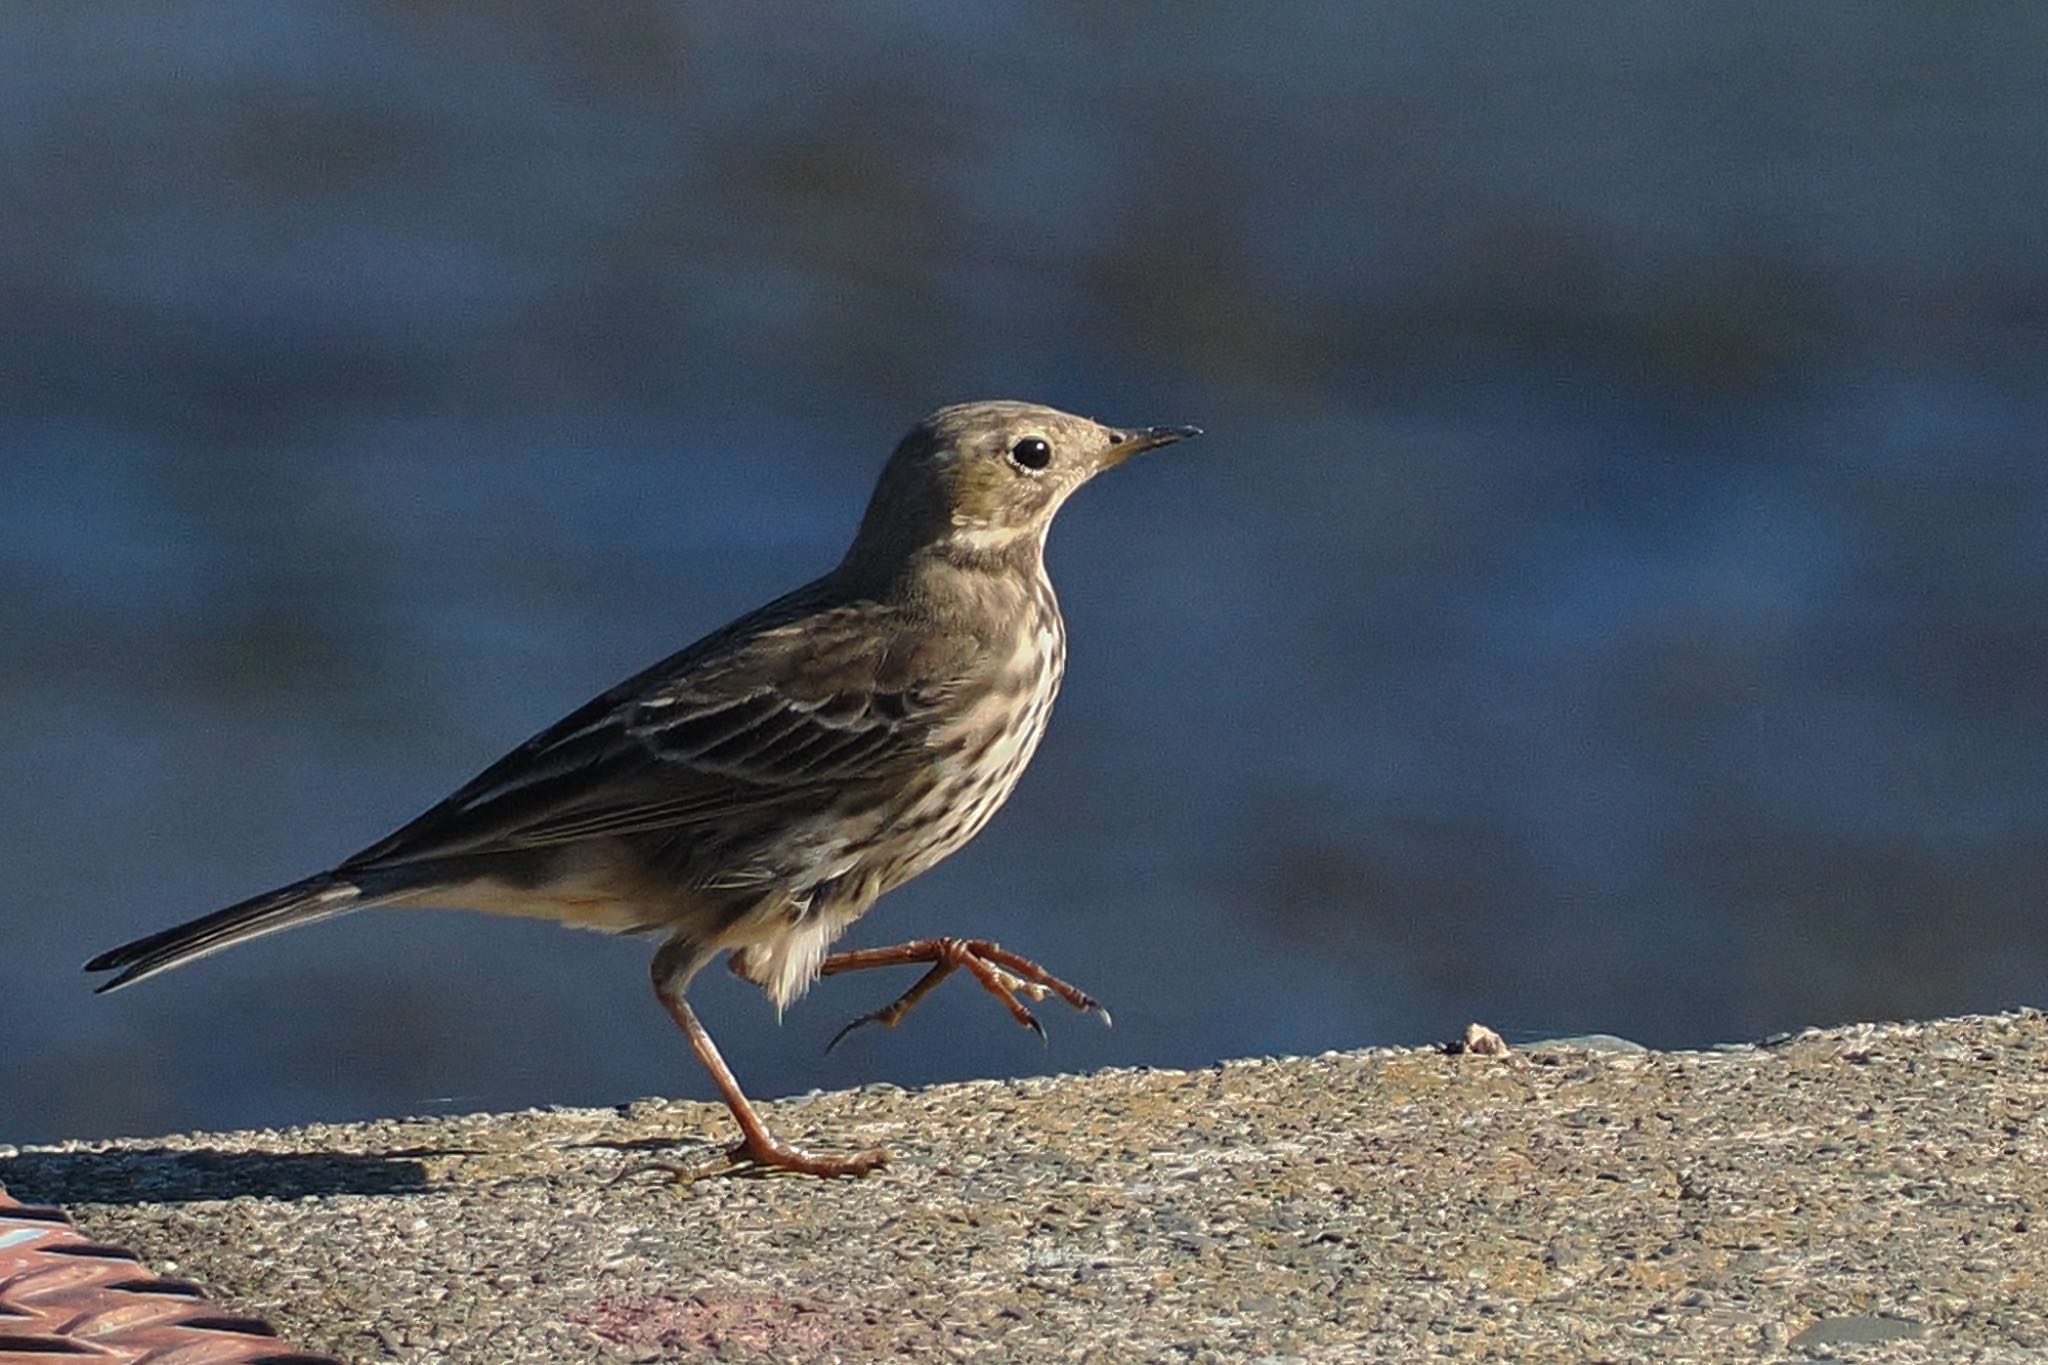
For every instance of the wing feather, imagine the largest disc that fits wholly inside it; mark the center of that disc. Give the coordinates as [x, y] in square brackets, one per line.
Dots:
[743, 728]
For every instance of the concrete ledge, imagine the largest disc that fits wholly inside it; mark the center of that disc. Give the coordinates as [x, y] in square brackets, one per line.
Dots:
[1868, 1193]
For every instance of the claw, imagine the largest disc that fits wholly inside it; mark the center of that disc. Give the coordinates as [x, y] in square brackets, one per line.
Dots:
[679, 1172]
[850, 1026]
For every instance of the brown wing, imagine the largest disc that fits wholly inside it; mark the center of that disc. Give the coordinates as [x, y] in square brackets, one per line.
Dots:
[777, 716]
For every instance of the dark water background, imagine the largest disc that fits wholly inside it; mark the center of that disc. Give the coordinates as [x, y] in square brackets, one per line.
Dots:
[1613, 594]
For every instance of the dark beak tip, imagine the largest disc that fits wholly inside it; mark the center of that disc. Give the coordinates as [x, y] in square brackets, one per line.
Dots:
[1151, 438]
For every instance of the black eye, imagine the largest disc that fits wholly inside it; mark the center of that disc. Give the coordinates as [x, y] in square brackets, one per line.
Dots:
[1032, 452]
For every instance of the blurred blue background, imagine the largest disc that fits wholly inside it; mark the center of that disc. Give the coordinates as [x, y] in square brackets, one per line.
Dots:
[1613, 593]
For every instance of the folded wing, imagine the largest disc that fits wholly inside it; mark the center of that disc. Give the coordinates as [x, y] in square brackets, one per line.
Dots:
[746, 729]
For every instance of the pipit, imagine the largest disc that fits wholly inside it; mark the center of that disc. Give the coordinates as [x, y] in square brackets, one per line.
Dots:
[755, 793]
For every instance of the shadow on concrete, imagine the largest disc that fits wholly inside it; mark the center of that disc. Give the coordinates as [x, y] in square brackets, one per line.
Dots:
[165, 1175]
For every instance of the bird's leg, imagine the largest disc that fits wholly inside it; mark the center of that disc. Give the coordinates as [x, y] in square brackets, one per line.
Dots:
[756, 1144]
[1001, 973]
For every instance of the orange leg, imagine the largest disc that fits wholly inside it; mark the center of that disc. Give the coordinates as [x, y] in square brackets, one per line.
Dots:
[757, 1144]
[1001, 973]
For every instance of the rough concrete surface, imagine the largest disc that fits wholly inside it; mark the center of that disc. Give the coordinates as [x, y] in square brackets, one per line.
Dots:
[1872, 1193]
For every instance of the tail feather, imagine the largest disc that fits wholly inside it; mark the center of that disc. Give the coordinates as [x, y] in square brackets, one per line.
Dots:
[315, 898]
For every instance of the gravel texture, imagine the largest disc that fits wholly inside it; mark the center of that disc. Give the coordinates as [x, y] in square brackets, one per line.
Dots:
[1872, 1193]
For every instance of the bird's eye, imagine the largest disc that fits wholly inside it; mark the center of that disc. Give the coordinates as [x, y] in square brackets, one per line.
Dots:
[1032, 452]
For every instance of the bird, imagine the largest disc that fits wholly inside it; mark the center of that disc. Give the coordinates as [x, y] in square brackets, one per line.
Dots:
[755, 793]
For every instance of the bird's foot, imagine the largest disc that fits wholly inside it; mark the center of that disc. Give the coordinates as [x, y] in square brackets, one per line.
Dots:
[748, 1158]
[773, 1155]
[1001, 973]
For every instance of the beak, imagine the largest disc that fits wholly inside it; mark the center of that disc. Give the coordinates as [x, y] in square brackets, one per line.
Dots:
[1138, 440]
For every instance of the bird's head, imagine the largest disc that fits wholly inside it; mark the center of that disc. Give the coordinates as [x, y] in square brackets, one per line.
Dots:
[983, 480]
